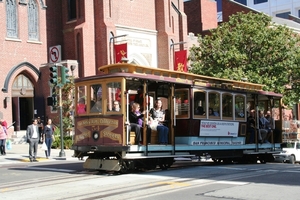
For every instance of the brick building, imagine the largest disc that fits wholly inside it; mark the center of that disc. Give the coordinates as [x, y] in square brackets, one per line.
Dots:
[23, 49]
[86, 31]
[201, 15]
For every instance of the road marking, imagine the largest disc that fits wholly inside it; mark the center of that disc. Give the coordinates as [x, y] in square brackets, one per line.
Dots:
[173, 184]
[291, 171]
[53, 169]
[233, 182]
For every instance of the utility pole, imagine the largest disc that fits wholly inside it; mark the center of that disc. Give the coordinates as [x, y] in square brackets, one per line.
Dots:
[62, 152]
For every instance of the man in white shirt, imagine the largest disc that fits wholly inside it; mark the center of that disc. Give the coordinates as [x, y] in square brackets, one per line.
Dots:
[33, 138]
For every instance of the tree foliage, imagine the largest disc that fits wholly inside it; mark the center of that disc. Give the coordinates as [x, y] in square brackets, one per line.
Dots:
[67, 102]
[251, 46]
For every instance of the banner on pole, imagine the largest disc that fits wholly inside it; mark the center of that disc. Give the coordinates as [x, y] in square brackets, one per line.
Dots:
[180, 63]
[120, 52]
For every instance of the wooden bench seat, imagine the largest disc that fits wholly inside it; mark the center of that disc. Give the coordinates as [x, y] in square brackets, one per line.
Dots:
[154, 137]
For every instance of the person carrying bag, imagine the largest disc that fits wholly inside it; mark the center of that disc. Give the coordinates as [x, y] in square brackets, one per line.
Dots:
[157, 120]
[3, 136]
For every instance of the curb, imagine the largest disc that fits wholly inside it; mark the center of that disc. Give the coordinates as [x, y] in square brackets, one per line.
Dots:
[25, 159]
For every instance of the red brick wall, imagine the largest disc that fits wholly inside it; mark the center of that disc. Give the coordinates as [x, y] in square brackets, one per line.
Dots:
[229, 8]
[170, 25]
[20, 50]
[209, 14]
[99, 19]
[193, 12]
[201, 15]
[139, 14]
[136, 14]
[85, 39]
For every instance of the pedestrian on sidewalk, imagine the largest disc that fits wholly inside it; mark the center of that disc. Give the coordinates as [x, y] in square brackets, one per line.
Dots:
[32, 134]
[3, 136]
[47, 137]
[3, 123]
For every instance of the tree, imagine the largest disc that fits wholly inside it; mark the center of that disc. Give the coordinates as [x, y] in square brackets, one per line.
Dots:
[67, 105]
[67, 101]
[251, 46]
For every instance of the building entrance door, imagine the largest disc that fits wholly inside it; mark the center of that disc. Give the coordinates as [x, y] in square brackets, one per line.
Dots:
[22, 102]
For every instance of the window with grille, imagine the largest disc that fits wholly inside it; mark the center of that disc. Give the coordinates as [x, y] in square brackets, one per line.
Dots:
[11, 19]
[33, 20]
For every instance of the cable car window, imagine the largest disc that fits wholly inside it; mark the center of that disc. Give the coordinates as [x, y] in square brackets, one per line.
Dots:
[239, 106]
[182, 106]
[113, 96]
[227, 105]
[200, 103]
[96, 98]
[81, 96]
[214, 105]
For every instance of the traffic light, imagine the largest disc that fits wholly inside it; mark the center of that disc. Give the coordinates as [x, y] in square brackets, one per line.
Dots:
[51, 101]
[53, 74]
[64, 75]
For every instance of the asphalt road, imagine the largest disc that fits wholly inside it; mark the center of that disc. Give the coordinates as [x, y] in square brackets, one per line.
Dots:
[66, 179]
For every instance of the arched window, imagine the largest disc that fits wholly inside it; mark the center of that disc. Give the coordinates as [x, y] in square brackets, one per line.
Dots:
[33, 20]
[22, 86]
[11, 19]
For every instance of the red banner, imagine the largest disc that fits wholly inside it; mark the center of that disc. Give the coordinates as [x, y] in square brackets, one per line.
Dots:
[120, 52]
[180, 61]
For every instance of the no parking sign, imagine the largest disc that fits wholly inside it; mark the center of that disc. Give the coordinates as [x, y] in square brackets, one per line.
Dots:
[55, 54]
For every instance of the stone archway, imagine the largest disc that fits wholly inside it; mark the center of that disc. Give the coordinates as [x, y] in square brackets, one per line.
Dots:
[22, 101]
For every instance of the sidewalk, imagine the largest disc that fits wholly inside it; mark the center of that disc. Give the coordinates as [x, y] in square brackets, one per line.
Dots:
[19, 153]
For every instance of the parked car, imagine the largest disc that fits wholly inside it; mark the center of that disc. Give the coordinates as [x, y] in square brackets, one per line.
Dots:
[290, 152]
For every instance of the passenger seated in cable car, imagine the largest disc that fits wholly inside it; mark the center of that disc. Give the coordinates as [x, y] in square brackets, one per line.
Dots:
[116, 106]
[136, 121]
[81, 108]
[211, 112]
[199, 111]
[157, 115]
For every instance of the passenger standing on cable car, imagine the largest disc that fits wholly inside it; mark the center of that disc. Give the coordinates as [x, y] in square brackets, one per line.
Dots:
[251, 126]
[263, 128]
[158, 114]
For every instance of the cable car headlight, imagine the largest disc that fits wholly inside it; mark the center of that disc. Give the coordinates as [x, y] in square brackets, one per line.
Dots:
[96, 135]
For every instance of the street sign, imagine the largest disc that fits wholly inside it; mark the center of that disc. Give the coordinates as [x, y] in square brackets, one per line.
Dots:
[55, 54]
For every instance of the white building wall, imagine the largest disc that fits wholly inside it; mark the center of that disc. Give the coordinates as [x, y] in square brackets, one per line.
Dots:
[273, 7]
[141, 45]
